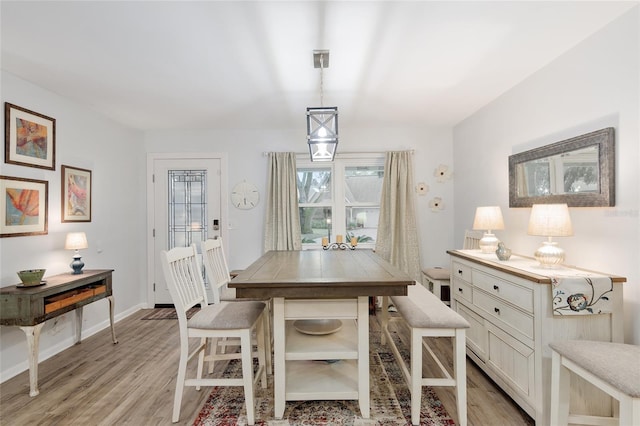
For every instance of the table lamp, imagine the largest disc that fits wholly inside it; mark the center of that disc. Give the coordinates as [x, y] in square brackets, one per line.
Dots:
[550, 220]
[488, 218]
[76, 241]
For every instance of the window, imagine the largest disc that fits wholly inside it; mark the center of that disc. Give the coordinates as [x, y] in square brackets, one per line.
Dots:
[341, 198]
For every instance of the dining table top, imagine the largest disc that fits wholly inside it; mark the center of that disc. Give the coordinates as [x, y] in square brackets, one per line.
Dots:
[320, 274]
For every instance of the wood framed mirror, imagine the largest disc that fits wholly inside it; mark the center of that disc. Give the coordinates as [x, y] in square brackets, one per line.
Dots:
[579, 171]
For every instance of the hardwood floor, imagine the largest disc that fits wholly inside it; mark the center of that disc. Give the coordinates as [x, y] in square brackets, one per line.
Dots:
[132, 383]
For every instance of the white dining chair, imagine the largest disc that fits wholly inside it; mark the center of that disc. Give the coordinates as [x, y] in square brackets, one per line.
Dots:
[217, 270]
[183, 274]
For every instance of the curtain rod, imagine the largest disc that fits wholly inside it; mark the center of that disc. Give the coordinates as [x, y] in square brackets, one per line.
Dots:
[266, 153]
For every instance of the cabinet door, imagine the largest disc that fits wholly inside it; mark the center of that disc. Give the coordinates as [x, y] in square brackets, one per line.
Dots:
[477, 334]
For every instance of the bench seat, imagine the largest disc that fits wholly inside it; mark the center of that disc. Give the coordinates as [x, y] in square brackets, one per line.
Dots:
[428, 316]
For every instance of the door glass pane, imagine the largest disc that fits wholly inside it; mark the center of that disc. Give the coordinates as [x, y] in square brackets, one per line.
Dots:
[187, 207]
[362, 223]
[314, 185]
[315, 223]
[363, 184]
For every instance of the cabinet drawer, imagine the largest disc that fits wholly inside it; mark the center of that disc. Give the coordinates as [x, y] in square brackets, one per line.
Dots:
[508, 315]
[320, 308]
[461, 290]
[463, 272]
[520, 296]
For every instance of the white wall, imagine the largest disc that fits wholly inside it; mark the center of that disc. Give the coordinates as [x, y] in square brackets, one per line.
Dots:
[594, 85]
[116, 158]
[246, 162]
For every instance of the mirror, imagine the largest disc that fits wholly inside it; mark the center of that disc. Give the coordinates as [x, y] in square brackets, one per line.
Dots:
[579, 171]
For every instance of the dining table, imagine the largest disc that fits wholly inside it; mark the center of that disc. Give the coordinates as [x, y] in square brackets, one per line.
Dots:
[320, 304]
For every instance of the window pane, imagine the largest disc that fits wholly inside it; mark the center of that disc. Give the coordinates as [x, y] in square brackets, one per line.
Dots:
[314, 185]
[363, 184]
[362, 223]
[315, 223]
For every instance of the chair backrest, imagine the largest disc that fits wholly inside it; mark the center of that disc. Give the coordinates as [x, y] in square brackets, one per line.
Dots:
[183, 274]
[215, 265]
[472, 240]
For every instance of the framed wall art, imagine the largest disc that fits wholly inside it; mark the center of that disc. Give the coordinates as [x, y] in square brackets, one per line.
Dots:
[76, 194]
[23, 206]
[30, 138]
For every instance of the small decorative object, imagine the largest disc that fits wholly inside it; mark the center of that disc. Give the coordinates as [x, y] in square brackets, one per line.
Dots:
[550, 220]
[245, 196]
[442, 173]
[76, 241]
[436, 204]
[488, 218]
[502, 252]
[31, 277]
[30, 138]
[339, 244]
[422, 188]
[23, 206]
[76, 194]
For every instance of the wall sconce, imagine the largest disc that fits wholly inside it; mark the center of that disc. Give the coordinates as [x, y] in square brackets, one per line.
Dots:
[550, 220]
[322, 122]
[76, 241]
[488, 218]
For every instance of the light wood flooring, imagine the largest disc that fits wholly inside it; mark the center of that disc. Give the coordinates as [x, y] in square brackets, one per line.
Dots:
[132, 383]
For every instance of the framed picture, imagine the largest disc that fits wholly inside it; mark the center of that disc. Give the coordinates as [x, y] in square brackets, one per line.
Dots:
[76, 194]
[23, 206]
[30, 138]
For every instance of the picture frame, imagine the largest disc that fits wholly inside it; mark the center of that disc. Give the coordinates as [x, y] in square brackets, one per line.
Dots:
[30, 138]
[24, 205]
[76, 194]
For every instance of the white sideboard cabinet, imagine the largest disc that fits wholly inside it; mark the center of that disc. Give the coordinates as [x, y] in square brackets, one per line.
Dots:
[509, 306]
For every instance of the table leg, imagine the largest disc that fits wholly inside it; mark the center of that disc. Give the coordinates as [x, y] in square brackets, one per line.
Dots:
[79, 325]
[33, 340]
[363, 355]
[113, 330]
[279, 378]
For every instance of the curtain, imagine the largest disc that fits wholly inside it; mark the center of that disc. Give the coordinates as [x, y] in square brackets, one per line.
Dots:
[282, 227]
[397, 240]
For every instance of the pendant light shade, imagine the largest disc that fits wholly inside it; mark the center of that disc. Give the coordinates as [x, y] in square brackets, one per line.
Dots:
[322, 122]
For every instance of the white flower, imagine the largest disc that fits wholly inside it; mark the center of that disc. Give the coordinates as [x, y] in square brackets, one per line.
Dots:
[422, 188]
[436, 204]
[442, 173]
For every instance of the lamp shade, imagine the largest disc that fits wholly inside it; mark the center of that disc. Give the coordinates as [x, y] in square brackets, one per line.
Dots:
[550, 220]
[488, 218]
[76, 241]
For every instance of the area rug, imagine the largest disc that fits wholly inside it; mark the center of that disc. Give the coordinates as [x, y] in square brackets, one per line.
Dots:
[390, 401]
[167, 313]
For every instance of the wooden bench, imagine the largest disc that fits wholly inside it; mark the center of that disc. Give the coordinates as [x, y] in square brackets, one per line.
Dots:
[612, 367]
[427, 316]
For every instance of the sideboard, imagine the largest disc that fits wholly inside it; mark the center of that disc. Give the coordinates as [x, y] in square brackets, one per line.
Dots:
[510, 308]
[29, 307]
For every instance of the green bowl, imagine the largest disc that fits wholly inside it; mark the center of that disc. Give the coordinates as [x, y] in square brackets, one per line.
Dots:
[31, 276]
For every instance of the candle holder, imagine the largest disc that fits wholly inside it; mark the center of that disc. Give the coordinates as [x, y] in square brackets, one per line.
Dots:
[340, 246]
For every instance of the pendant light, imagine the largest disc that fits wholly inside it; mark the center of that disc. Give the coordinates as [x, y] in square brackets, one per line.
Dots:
[322, 122]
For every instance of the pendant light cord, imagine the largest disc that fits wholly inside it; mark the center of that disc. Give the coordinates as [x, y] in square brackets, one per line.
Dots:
[321, 80]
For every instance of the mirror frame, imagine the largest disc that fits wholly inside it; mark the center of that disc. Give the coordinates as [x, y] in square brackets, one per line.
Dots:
[606, 161]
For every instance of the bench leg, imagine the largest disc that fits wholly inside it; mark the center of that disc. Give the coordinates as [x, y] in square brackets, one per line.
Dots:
[416, 375]
[385, 320]
[460, 373]
[559, 391]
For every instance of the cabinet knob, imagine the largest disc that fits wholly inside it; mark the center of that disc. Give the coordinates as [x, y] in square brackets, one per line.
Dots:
[496, 288]
[497, 310]
[460, 289]
[460, 271]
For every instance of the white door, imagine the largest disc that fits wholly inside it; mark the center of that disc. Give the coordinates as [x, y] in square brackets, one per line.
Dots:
[186, 208]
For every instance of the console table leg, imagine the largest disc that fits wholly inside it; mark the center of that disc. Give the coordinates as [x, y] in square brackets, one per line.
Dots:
[33, 339]
[79, 325]
[113, 330]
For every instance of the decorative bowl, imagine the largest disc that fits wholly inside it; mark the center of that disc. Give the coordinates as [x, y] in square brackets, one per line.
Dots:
[31, 277]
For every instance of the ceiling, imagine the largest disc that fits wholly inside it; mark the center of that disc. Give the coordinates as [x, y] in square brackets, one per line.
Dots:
[243, 64]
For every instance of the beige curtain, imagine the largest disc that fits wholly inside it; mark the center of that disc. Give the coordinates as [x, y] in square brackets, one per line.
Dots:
[397, 240]
[282, 227]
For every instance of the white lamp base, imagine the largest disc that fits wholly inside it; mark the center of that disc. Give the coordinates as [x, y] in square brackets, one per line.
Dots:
[549, 254]
[488, 243]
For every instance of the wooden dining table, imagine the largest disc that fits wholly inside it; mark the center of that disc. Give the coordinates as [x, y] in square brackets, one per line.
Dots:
[321, 319]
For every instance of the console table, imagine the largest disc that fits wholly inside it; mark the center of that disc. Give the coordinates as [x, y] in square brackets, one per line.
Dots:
[29, 307]
[509, 305]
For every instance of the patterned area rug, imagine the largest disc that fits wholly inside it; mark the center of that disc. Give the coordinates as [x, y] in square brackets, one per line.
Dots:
[167, 313]
[390, 400]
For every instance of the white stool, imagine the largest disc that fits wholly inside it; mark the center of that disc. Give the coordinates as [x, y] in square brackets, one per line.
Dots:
[433, 279]
[613, 367]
